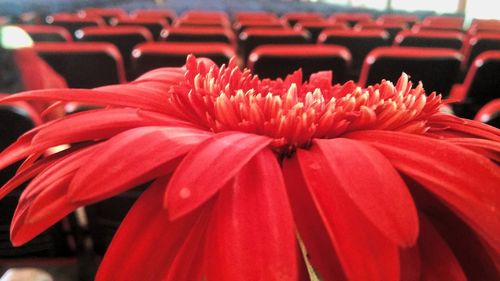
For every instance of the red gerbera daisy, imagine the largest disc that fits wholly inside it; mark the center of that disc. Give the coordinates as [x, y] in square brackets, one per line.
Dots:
[269, 179]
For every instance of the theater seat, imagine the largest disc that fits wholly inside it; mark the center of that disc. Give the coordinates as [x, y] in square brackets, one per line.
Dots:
[391, 28]
[436, 68]
[84, 65]
[431, 39]
[254, 37]
[315, 28]
[166, 14]
[443, 22]
[154, 25]
[105, 13]
[254, 15]
[479, 26]
[73, 22]
[125, 38]
[408, 19]
[47, 33]
[199, 34]
[478, 44]
[351, 18]
[153, 55]
[243, 24]
[294, 17]
[490, 113]
[201, 22]
[273, 61]
[359, 43]
[481, 84]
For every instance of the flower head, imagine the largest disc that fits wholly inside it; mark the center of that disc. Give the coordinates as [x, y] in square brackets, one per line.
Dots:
[268, 179]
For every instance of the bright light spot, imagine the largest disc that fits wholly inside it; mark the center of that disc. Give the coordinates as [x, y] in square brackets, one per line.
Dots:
[14, 37]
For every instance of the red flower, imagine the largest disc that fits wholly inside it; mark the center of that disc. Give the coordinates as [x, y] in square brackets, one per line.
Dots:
[269, 180]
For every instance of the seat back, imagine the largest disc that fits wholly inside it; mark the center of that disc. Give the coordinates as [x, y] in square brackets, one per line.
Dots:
[482, 81]
[408, 19]
[431, 39]
[480, 43]
[254, 37]
[351, 18]
[200, 34]
[167, 14]
[293, 17]
[47, 33]
[443, 22]
[255, 15]
[84, 65]
[154, 25]
[243, 24]
[72, 23]
[359, 43]
[104, 13]
[391, 28]
[490, 113]
[149, 56]
[125, 38]
[315, 28]
[273, 61]
[436, 68]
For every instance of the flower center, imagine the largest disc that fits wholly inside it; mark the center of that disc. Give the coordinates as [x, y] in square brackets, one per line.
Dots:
[293, 112]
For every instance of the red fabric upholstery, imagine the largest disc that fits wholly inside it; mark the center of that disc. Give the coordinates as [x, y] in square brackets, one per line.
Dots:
[253, 37]
[432, 39]
[359, 43]
[154, 25]
[200, 22]
[73, 22]
[315, 28]
[153, 55]
[489, 112]
[202, 14]
[47, 33]
[104, 13]
[436, 68]
[351, 18]
[125, 38]
[255, 15]
[478, 26]
[199, 34]
[273, 61]
[392, 28]
[243, 24]
[478, 44]
[396, 18]
[84, 65]
[443, 22]
[166, 14]
[293, 17]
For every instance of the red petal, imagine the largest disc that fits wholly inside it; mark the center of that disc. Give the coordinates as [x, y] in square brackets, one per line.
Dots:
[438, 261]
[150, 239]
[373, 184]
[117, 98]
[252, 234]
[18, 150]
[457, 127]
[311, 229]
[35, 214]
[131, 158]
[208, 167]
[465, 180]
[364, 252]
[490, 149]
[409, 259]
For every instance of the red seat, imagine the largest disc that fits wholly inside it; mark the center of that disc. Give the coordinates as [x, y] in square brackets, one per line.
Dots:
[315, 28]
[84, 65]
[431, 39]
[436, 68]
[254, 37]
[243, 24]
[490, 113]
[391, 28]
[479, 26]
[273, 61]
[359, 43]
[73, 22]
[254, 15]
[166, 14]
[480, 43]
[481, 84]
[47, 33]
[202, 14]
[153, 55]
[351, 18]
[443, 22]
[410, 20]
[201, 34]
[293, 17]
[104, 13]
[154, 25]
[201, 22]
[125, 38]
